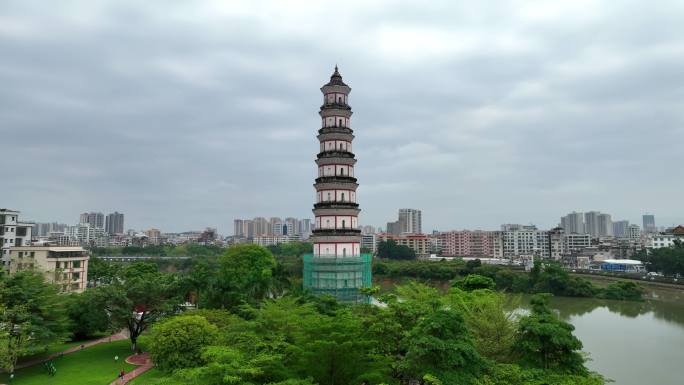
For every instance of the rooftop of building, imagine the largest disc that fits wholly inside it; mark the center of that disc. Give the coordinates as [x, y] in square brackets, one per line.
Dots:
[678, 230]
[49, 248]
[623, 261]
[403, 236]
[336, 79]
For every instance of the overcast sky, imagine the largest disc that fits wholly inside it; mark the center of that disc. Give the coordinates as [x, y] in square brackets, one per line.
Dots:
[187, 114]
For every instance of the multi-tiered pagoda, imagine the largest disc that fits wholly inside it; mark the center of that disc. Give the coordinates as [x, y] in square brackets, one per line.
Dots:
[336, 266]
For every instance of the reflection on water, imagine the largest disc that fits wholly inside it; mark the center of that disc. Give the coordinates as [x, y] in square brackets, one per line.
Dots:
[664, 304]
[633, 343]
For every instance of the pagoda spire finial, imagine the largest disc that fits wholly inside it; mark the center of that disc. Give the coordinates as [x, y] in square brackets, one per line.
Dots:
[336, 78]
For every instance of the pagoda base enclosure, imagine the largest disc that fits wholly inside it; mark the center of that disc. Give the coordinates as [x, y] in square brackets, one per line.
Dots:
[338, 277]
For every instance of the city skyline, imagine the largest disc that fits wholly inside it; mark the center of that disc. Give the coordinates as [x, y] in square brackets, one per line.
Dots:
[477, 121]
[228, 228]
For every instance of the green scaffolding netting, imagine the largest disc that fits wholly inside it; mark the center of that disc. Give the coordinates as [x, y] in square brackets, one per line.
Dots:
[340, 277]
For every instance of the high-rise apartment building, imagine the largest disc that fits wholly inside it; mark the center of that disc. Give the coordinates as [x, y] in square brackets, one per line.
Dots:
[114, 224]
[621, 229]
[261, 226]
[93, 219]
[368, 230]
[249, 228]
[291, 226]
[597, 224]
[605, 225]
[44, 229]
[305, 227]
[573, 223]
[238, 228]
[275, 226]
[591, 223]
[649, 225]
[394, 228]
[410, 221]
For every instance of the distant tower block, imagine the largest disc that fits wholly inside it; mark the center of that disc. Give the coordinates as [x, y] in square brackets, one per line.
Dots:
[336, 266]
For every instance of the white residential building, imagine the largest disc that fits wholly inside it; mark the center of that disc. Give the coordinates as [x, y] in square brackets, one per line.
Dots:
[369, 241]
[268, 240]
[93, 219]
[524, 240]
[574, 243]
[657, 241]
[86, 234]
[634, 232]
[13, 233]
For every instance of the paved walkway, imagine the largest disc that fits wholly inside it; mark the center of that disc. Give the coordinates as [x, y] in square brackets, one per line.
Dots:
[114, 337]
[137, 359]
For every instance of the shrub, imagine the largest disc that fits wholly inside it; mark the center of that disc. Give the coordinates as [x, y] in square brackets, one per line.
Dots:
[474, 282]
[622, 290]
[178, 342]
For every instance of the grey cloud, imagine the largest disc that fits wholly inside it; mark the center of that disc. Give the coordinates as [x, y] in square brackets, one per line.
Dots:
[185, 115]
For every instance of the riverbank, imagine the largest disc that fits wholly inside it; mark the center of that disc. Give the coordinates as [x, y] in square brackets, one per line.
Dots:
[651, 281]
[632, 343]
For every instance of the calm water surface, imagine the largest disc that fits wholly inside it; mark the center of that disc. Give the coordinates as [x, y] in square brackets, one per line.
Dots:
[632, 343]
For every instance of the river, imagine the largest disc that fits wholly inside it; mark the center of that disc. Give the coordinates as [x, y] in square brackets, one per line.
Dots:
[632, 343]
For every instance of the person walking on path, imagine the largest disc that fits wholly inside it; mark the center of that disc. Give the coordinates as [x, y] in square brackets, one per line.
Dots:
[122, 374]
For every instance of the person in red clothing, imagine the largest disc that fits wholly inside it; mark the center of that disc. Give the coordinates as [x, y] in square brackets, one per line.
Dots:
[122, 374]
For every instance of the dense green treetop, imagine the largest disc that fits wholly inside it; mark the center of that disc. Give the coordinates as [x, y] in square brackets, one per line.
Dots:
[245, 274]
[178, 342]
[33, 316]
[389, 249]
[142, 296]
[666, 260]
[544, 341]
[475, 281]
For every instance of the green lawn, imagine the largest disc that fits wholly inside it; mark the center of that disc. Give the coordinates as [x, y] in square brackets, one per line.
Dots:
[53, 349]
[91, 366]
[147, 377]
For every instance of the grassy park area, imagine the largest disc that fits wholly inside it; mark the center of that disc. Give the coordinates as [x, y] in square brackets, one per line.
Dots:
[92, 366]
[54, 348]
